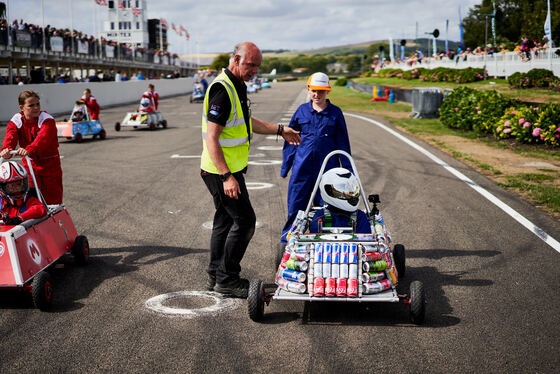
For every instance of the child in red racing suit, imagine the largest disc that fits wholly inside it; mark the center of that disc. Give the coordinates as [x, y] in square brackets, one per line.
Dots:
[91, 104]
[35, 132]
[17, 205]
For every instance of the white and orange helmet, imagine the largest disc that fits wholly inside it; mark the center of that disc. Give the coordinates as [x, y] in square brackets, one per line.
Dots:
[14, 182]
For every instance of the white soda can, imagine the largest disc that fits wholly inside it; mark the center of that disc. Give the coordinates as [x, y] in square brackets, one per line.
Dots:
[335, 271]
[326, 270]
[318, 270]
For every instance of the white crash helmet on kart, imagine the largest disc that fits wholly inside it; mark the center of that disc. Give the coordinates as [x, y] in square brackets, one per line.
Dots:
[14, 182]
[145, 103]
[340, 189]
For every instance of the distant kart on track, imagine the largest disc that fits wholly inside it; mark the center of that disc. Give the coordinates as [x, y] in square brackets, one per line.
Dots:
[149, 120]
[80, 125]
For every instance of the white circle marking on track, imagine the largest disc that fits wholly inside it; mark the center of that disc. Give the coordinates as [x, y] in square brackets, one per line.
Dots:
[221, 304]
[258, 185]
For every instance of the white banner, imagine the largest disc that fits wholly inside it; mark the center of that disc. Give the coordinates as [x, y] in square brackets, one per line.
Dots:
[156, 59]
[109, 51]
[83, 47]
[166, 60]
[57, 44]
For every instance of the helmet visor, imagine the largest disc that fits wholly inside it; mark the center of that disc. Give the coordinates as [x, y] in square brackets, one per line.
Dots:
[349, 191]
[16, 189]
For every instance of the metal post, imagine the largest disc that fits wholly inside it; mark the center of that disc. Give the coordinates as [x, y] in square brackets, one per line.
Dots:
[71, 30]
[43, 26]
[10, 71]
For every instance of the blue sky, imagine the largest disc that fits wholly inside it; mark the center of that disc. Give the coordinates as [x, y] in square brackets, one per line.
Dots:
[218, 25]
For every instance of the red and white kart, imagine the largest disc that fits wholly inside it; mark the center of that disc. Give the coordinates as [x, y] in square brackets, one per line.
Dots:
[28, 250]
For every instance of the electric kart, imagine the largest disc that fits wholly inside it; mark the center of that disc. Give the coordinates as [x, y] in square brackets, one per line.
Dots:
[338, 264]
[80, 125]
[141, 119]
[197, 94]
[28, 250]
[265, 83]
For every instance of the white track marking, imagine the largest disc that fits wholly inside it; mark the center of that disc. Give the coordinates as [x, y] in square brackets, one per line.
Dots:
[493, 199]
[265, 162]
[221, 304]
[270, 148]
[258, 185]
[210, 224]
[185, 156]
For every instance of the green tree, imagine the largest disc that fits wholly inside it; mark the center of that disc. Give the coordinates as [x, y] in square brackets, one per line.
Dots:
[220, 61]
[515, 18]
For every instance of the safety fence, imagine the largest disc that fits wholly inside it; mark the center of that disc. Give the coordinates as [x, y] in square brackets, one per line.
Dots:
[496, 64]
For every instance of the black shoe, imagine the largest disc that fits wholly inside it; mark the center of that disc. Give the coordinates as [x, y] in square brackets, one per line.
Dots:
[235, 288]
[210, 282]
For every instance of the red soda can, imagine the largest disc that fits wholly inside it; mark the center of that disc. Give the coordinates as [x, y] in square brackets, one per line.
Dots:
[352, 287]
[341, 287]
[330, 287]
[285, 259]
[319, 287]
[371, 256]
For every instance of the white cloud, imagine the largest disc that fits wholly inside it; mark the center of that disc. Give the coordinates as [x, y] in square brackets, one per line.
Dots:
[272, 24]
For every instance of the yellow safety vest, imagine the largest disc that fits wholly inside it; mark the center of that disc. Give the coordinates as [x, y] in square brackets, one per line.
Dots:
[234, 139]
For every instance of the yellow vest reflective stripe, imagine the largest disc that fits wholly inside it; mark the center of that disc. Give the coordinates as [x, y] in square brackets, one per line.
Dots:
[234, 138]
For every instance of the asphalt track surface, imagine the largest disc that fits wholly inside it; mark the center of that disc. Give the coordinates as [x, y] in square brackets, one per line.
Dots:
[491, 284]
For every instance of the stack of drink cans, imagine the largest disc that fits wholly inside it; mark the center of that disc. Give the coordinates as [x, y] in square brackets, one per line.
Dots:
[335, 269]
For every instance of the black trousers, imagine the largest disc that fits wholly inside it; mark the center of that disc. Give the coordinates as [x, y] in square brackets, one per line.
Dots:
[233, 228]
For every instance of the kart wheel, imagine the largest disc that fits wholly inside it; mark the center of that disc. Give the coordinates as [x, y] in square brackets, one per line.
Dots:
[78, 137]
[191, 99]
[80, 250]
[417, 302]
[164, 123]
[117, 126]
[255, 300]
[152, 126]
[102, 134]
[400, 259]
[42, 291]
[280, 248]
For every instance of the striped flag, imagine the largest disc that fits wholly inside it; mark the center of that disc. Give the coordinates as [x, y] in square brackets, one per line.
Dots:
[164, 24]
[101, 2]
[174, 28]
[136, 11]
[121, 4]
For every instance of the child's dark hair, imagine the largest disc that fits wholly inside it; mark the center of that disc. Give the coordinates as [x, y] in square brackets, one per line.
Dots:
[24, 95]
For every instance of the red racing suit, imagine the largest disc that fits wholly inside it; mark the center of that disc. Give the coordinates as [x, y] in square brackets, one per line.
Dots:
[154, 97]
[93, 107]
[39, 138]
[28, 209]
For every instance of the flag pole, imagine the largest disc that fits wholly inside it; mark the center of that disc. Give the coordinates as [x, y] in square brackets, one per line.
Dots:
[71, 31]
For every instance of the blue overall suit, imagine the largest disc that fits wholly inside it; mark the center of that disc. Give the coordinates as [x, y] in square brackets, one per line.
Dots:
[321, 133]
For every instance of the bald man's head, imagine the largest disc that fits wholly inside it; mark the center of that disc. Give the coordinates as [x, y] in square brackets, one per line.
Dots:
[245, 61]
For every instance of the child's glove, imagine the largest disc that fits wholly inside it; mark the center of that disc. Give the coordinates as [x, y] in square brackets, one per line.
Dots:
[13, 220]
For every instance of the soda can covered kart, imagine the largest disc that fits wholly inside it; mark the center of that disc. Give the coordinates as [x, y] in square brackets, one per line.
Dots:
[338, 264]
[28, 250]
[80, 125]
[197, 95]
[150, 120]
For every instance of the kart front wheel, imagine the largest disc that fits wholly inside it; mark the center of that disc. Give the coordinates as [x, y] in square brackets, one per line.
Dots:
[42, 291]
[164, 124]
[102, 134]
[417, 302]
[117, 126]
[152, 126]
[78, 137]
[400, 259]
[255, 300]
[80, 250]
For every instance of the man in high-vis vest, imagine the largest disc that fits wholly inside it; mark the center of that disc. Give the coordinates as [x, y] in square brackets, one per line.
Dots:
[227, 129]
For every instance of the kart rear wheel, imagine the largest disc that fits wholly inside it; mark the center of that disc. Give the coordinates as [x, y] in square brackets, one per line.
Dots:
[42, 291]
[400, 259]
[191, 99]
[102, 134]
[117, 126]
[255, 300]
[417, 302]
[80, 250]
[152, 126]
[164, 123]
[78, 137]
[280, 248]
